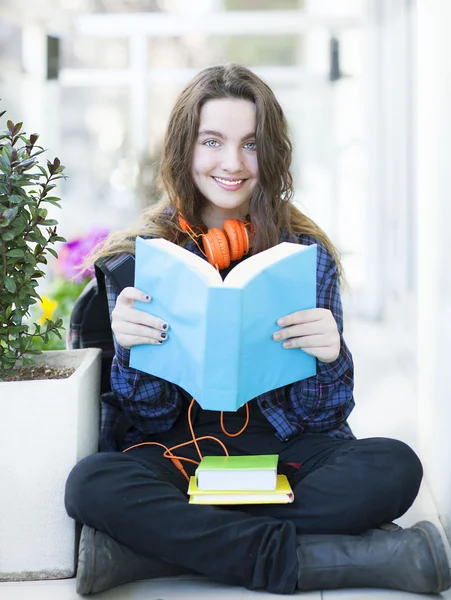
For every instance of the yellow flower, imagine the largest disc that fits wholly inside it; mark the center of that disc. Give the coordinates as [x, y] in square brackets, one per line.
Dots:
[48, 308]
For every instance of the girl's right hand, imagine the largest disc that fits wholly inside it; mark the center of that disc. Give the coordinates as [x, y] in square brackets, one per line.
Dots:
[132, 326]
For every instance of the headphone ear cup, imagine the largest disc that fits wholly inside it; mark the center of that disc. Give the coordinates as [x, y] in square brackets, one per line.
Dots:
[216, 248]
[238, 237]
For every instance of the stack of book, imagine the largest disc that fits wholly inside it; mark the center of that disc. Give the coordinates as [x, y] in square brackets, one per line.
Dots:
[239, 480]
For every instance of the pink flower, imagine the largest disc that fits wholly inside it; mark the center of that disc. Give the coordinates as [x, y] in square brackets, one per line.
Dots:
[73, 253]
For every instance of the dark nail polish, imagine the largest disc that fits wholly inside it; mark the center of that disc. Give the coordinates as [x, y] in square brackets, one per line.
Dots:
[164, 336]
[165, 325]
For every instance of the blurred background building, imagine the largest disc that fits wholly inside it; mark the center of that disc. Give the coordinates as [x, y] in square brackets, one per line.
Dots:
[365, 85]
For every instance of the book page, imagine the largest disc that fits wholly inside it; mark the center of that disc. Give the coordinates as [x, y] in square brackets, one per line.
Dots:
[249, 498]
[203, 267]
[278, 289]
[249, 267]
[179, 284]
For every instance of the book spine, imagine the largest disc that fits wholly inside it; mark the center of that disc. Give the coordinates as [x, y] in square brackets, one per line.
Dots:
[222, 350]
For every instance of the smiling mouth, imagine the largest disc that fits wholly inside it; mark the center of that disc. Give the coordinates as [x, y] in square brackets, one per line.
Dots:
[229, 182]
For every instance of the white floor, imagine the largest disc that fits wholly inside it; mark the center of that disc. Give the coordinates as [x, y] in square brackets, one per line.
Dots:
[386, 406]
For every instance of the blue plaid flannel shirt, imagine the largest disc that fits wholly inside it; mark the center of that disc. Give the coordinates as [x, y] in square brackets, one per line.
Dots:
[318, 404]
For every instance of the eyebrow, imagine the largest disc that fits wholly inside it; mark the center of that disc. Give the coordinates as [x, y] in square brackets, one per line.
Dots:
[218, 134]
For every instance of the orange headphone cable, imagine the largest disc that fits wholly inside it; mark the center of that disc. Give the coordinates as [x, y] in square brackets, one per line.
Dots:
[193, 236]
[176, 459]
[168, 454]
[241, 430]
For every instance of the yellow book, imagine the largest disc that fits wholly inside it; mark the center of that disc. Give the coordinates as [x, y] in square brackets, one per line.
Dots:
[283, 494]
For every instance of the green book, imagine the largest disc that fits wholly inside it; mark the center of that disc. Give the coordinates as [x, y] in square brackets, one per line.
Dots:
[239, 473]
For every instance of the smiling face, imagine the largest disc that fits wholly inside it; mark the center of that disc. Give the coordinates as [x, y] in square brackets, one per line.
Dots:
[225, 167]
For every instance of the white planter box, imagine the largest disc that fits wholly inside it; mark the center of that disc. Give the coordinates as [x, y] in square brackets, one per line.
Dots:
[46, 427]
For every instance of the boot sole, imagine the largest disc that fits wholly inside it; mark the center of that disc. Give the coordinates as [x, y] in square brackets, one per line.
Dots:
[86, 561]
[438, 552]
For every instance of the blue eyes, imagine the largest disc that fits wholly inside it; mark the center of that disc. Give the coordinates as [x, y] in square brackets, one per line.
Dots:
[215, 144]
[211, 143]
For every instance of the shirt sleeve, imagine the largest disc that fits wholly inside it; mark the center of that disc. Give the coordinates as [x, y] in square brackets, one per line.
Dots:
[150, 403]
[326, 400]
[328, 296]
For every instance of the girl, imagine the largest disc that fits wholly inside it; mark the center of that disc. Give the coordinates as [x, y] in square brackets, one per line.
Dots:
[226, 166]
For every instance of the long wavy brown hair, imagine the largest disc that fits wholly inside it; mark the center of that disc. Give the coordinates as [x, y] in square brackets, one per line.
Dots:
[271, 208]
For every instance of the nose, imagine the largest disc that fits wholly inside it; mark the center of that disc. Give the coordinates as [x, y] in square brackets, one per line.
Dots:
[232, 161]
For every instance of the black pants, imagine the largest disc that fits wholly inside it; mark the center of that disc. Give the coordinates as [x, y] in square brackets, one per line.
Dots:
[343, 486]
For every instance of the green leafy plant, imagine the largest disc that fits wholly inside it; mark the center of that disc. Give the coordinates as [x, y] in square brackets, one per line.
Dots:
[27, 237]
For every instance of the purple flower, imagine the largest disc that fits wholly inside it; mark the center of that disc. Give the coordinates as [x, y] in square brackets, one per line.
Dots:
[73, 253]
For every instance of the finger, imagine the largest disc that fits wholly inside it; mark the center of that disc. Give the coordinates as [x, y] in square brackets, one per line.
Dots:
[300, 330]
[310, 341]
[317, 350]
[324, 354]
[130, 294]
[127, 341]
[134, 329]
[134, 315]
[302, 316]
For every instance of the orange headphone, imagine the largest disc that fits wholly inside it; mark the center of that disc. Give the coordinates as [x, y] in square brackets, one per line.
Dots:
[222, 246]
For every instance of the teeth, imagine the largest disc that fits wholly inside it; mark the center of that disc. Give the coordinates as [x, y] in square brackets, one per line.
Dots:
[227, 182]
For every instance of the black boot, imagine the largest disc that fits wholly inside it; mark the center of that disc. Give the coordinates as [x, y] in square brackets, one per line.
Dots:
[103, 563]
[413, 560]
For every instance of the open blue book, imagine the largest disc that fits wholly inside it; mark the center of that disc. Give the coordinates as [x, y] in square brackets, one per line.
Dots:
[220, 347]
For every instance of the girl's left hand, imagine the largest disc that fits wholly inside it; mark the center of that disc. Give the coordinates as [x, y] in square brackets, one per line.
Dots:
[314, 330]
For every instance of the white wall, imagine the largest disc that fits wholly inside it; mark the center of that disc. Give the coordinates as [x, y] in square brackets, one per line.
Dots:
[433, 186]
[392, 222]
